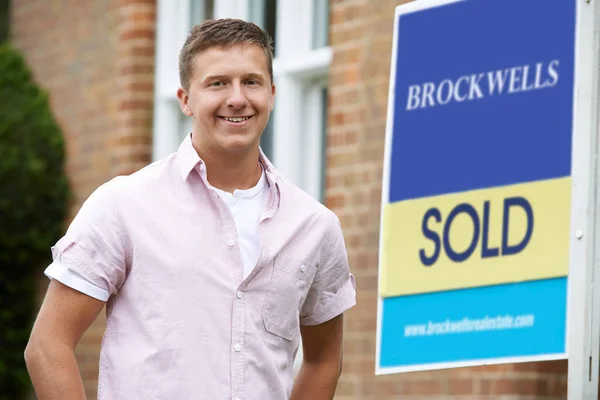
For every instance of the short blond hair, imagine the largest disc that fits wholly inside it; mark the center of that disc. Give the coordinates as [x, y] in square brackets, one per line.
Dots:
[224, 32]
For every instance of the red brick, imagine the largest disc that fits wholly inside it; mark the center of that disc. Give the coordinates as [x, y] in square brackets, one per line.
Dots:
[361, 367]
[424, 387]
[136, 69]
[514, 386]
[460, 386]
[137, 33]
[335, 201]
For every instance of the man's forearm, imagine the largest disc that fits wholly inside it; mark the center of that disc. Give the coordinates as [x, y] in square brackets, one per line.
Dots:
[54, 373]
[316, 381]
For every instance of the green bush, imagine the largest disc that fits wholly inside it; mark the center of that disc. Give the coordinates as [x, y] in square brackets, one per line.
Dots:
[34, 195]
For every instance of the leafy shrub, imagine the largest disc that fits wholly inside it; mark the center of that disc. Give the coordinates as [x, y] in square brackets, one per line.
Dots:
[34, 195]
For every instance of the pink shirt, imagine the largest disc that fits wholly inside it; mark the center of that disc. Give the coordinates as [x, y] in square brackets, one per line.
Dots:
[182, 322]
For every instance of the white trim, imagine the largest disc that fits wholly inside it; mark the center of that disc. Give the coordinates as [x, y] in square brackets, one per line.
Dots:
[312, 162]
[299, 70]
[411, 7]
[582, 332]
[293, 29]
[73, 280]
[169, 39]
[231, 9]
[167, 118]
[470, 363]
[304, 66]
[168, 45]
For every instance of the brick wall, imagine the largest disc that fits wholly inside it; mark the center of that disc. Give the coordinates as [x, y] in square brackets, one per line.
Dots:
[361, 38]
[96, 60]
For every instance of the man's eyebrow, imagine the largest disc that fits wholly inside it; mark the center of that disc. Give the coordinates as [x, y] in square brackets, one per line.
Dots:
[251, 75]
[255, 75]
[210, 77]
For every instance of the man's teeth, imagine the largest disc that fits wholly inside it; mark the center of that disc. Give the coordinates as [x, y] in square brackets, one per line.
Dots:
[236, 119]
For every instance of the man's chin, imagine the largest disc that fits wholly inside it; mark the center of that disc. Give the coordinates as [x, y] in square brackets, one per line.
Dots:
[239, 146]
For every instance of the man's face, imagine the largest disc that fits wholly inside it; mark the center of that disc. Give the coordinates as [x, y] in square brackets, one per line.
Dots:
[230, 97]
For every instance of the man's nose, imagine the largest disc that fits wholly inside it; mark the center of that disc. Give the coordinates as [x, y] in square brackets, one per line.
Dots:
[237, 98]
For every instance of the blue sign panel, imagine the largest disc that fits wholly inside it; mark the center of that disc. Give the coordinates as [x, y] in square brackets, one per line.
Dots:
[477, 184]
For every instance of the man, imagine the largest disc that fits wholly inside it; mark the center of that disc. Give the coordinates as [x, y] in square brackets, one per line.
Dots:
[211, 264]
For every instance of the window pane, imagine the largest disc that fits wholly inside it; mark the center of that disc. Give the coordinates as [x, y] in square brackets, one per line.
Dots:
[266, 140]
[264, 14]
[200, 10]
[271, 19]
[185, 124]
[320, 24]
[324, 105]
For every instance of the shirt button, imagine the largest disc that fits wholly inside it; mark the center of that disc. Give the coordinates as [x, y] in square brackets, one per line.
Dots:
[303, 268]
[238, 347]
[231, 242]
[239, 295]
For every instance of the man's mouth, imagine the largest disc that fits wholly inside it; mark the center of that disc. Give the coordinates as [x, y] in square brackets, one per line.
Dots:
[236, 119]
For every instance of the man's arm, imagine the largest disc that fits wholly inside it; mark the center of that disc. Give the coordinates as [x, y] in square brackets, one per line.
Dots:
[322, 361]
[50, 354]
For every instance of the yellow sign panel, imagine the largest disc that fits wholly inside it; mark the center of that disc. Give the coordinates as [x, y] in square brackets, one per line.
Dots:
[477, 238]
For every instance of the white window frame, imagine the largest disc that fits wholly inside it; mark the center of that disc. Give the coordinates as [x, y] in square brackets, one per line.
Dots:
[300, 74]
[172, 27]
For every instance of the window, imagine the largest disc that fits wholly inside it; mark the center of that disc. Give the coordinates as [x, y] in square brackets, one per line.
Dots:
[264, 14]
[200, 10]
[174, 20]
[301, 68]
[320, 12]
[294, 137]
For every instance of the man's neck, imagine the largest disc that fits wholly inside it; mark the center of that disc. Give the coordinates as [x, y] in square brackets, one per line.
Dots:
[230, 172]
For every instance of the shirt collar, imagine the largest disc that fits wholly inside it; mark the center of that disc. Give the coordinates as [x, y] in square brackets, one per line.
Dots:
[189, 159]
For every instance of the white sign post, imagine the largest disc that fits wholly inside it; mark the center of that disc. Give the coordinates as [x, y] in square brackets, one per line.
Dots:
[584, 272]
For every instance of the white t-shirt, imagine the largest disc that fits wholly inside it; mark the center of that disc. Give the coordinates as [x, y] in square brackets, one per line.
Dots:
[244, 205]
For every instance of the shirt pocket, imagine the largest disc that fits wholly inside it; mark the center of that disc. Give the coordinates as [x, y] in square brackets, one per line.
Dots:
[290, 282]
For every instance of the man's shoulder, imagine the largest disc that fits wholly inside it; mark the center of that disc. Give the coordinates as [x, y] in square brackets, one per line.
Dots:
[299, 201]
[151, 179]
[159, 172]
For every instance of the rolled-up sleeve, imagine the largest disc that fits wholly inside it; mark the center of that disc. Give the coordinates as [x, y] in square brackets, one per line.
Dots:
[95, 244]
[334, 289]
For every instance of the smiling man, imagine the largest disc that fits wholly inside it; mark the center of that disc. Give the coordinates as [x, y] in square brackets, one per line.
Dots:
[212, 266]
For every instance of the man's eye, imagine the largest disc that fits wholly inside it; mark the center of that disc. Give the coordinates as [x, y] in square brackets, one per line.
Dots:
[252, 82]
[218, 83]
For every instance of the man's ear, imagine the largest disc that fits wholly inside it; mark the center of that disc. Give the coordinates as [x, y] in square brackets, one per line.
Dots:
[184, 102]
[272, 97]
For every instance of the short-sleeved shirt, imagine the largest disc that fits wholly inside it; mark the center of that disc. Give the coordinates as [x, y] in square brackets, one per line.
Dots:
[182, 320]
[245, 207]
